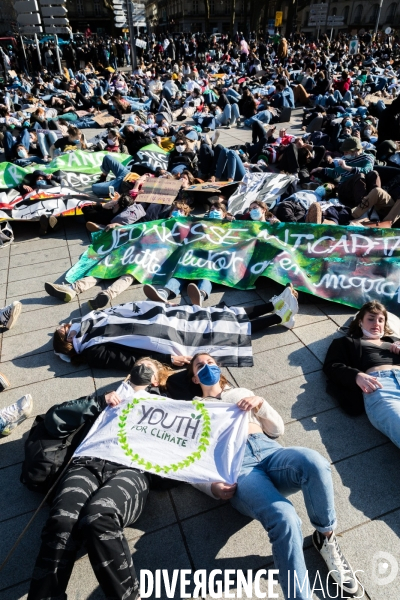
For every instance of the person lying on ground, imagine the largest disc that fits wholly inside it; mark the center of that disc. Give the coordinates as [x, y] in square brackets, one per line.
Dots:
[363, 370]
[268, 475]
[96, 496]
[138, 331]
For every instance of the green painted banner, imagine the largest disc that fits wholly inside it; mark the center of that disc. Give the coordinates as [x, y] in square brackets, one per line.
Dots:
[78, 162]
[349, 265]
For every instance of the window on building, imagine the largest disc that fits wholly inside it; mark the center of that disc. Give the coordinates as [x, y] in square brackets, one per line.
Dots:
[391, 12]
[374, 13]
[97, 8]
[80, 7]
[346, 13]
[195, 7]
[358, 14]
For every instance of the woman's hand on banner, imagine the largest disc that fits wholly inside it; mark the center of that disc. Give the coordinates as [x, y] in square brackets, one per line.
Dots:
[180, 361]
[250, 402]
[113, 399]
[223, 491]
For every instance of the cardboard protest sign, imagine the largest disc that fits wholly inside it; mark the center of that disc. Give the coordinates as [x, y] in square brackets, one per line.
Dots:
[195, 441]
[349, 265]
[104, 119]
[160, 191]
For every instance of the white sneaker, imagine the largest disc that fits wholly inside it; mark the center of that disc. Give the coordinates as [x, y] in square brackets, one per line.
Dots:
[9, 314]
[285, 314]
[16, 413]
[289, 297]
[339, 568]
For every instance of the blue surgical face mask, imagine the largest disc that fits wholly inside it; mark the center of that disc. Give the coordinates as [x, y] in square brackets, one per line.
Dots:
[150, 121]
[321, 191]
[77, 142]
[209, 374]
[176, 213]
[160, 131]
[41, 183]
[348, 124]
[215, 214]
[256, 214]
[173, 138]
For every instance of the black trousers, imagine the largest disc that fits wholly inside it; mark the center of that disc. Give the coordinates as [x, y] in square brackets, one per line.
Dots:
[260, 317]
[94, 501]
[98, 214]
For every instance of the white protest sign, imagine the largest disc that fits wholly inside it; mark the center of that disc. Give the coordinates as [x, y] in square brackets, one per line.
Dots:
[196, 442]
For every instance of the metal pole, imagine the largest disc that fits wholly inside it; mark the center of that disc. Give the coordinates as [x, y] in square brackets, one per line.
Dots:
[131, 34]
[58, 54]
[377, 18]
[38, 48]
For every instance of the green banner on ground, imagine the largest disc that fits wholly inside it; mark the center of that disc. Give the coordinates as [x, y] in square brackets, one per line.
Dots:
[349, 265]
[78, 162]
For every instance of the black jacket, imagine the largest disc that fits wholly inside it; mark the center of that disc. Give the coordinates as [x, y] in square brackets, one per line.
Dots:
[342, 365]
[117, 356]
[122, 358]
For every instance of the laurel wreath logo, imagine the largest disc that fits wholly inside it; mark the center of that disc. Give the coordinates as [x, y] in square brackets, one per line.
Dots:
[147, 465]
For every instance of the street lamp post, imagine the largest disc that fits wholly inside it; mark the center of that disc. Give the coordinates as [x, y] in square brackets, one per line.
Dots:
[378, 17]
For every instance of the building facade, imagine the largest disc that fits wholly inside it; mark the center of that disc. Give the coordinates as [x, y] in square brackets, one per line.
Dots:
[8, 17]
[96, 13]
[357, 15]
[248, 15]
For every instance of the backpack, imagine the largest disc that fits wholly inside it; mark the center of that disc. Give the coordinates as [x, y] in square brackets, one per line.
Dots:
[45, 456]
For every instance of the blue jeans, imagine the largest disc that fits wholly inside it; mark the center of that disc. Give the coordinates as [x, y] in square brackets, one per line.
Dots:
[268, 475]
[346, 98]
[174, 285]
[264, 116]
[229, 166]
[117, 169]
[25, 162]
[230, 93]
[230, 113]
[9, 144]
[383, 405]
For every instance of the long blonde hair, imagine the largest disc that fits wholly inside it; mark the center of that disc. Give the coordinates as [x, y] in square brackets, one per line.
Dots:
[163, 371]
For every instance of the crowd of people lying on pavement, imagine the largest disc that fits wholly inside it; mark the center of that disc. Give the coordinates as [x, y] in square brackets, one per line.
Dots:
[345, 168]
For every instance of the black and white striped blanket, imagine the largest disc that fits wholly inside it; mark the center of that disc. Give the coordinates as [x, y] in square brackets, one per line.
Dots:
[225, 333]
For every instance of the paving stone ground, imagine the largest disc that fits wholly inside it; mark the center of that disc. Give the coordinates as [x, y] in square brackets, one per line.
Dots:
[182, 528]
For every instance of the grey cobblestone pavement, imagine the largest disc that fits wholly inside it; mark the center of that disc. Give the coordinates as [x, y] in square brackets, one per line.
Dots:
[182, 528]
